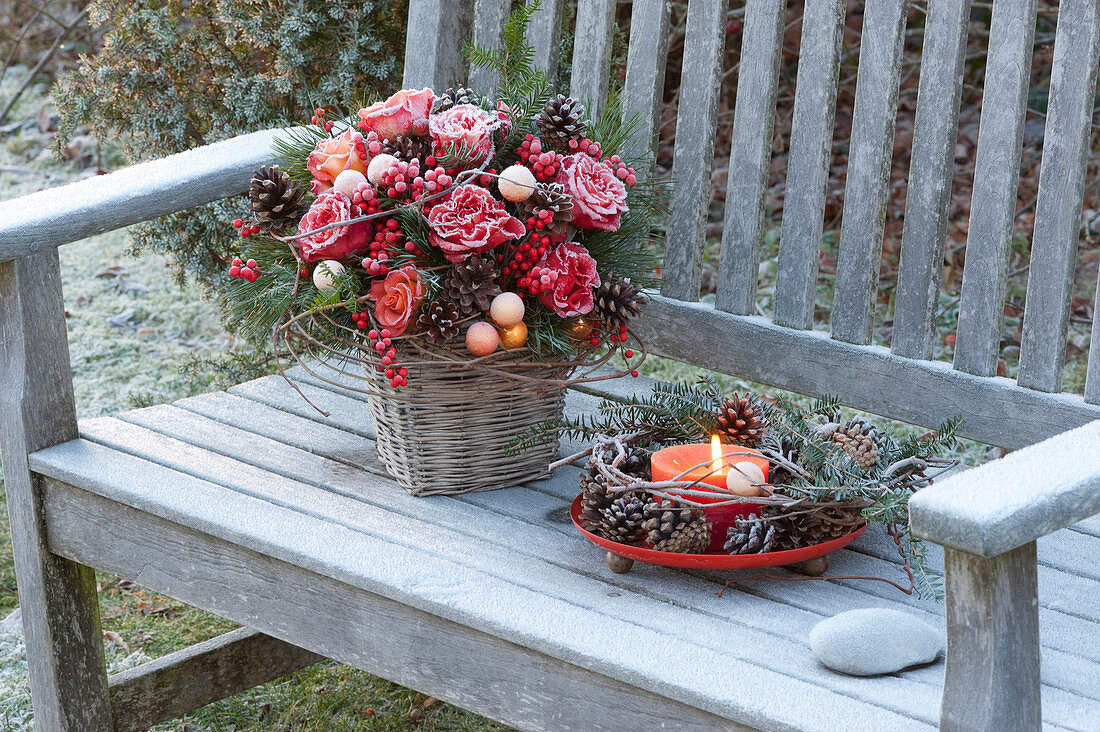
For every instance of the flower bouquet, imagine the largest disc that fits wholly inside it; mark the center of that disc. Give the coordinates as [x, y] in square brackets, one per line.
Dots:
[472, 256]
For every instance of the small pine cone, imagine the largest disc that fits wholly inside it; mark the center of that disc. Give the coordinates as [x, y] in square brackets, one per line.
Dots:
[741, 420]
[594, 498]
[472, 285]
[789, 449]
[408, 147]
[617, 302]
[861, 441]
[274, 201]
[438, 321]
[454, 97]
[676, 529]
[751, 535]
[548, 197]
[623, 519]
[561, 120]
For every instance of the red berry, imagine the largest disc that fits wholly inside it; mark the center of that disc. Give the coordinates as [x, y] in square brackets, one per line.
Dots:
[633, 373]
[629, 354]
[234, 271]
[251, 263]
[237, 223]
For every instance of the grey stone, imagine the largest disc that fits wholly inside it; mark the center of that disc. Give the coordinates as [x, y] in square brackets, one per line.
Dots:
[875, 641]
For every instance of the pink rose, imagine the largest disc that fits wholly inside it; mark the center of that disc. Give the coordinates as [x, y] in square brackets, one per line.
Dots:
[332, 156]
[463, 124]
[470, 221]
[397, 298]
[338, 242]
[397, 115]
[599, 198]
[571, 293]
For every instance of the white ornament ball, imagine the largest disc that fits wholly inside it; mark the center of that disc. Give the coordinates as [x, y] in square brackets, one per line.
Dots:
[516, 183]
[348, 181]
[482, 339]
[741, 477]
[379, 164]
[325, 274]
[507, 309]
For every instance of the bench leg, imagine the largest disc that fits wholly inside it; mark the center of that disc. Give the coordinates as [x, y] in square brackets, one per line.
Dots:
[991, 682]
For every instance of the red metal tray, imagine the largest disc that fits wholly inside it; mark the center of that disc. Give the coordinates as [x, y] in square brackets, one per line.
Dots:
[712, 560]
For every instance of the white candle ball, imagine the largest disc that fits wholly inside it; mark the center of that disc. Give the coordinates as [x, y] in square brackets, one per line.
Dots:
[741, 477]
[379, 164]
[507, 309]
[516, 183]
[325, 274]
[482, 339]
[348, 181]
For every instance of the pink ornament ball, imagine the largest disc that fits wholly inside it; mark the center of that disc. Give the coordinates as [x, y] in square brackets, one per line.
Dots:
[482, 339]
[507, 309]
[516, 183]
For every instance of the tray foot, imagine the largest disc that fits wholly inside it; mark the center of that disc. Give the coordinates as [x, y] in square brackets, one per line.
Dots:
[617, 564]
[811, 567]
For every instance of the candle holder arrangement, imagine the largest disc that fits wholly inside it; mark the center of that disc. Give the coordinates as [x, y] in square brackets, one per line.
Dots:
[460, 259]
[687, 477]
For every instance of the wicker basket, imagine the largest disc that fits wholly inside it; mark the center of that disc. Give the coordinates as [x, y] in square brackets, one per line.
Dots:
[447, 431]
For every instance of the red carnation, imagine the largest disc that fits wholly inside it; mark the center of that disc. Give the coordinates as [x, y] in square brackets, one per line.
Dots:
[599, 198]
[571, 293]
[332, 207]
[470, 221]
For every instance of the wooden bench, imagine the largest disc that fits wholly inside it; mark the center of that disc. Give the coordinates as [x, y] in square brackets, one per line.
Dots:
[250, 505]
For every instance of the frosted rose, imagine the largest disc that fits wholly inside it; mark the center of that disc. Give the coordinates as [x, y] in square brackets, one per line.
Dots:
[397, 115]
[599, 198]
[336, 243]
[571, 294]
[332, 156]
[470, 221]
[463, 124]
[397, 298]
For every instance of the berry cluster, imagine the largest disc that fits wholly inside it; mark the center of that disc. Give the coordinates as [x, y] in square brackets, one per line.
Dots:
[585, 146]
[526, 256]
[388, 237]
[538, 279]
[318, 119]
[246, 231]
[248, 271]
[544, 163]
[391, 367]
[622, 172]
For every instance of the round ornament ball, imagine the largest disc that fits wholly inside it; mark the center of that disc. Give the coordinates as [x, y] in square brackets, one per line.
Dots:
[325, 274]
[741, 477]
[514, 337]
[516, 183]
[378, 166]
[348, 181]
[482, 339]
[507, 309]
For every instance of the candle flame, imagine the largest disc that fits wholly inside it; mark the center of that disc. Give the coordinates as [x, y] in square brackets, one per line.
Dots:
[715, 453]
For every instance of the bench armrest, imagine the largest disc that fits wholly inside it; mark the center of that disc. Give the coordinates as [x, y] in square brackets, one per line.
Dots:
[146, 191]
[1012, 501]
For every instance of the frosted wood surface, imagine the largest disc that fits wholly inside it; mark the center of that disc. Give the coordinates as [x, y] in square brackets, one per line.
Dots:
[543, 33]
[931, 169]
[808, 159]
[995, 410]
[750, 155]
[1092, 378]
[643, 90]
[694, 149]
[592, 53]
[870, 154]
[1010, 502]
[1061, 190]
[996, 174]
[489, 18]
[437, 31]
[56, 216]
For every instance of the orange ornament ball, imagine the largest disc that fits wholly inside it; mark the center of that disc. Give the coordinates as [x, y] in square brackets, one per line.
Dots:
[482, 339]
[514, 337]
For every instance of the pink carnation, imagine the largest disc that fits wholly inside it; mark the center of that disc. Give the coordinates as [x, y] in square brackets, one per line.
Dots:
[599, 198]
[470, 221]
[398, 114]
[336, 243]
[463, 124]
[571, 293]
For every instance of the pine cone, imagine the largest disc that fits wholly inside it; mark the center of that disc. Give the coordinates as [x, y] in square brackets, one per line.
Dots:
[472, 285]
[273, 200]
[778, 530]
[548, 197]
[862, 442]
[454, 97]
[752, 535]
[437, 321]
[622, 520]
[594, 498]
[676, 529]
[741, 420]
[408, 147]
[789, 449]
[617, 302]
[561, 120]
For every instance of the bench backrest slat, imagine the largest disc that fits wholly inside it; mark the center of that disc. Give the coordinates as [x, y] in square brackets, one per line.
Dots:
[543, 33]
[489, 18]
[1061, 193]
[1092, 378]
[693, 152]
[592, 53]
[996, 174]
[643, 90]
[434, 44]
[750, 155]
[808, 163]
[870, 158]
[931, 168]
